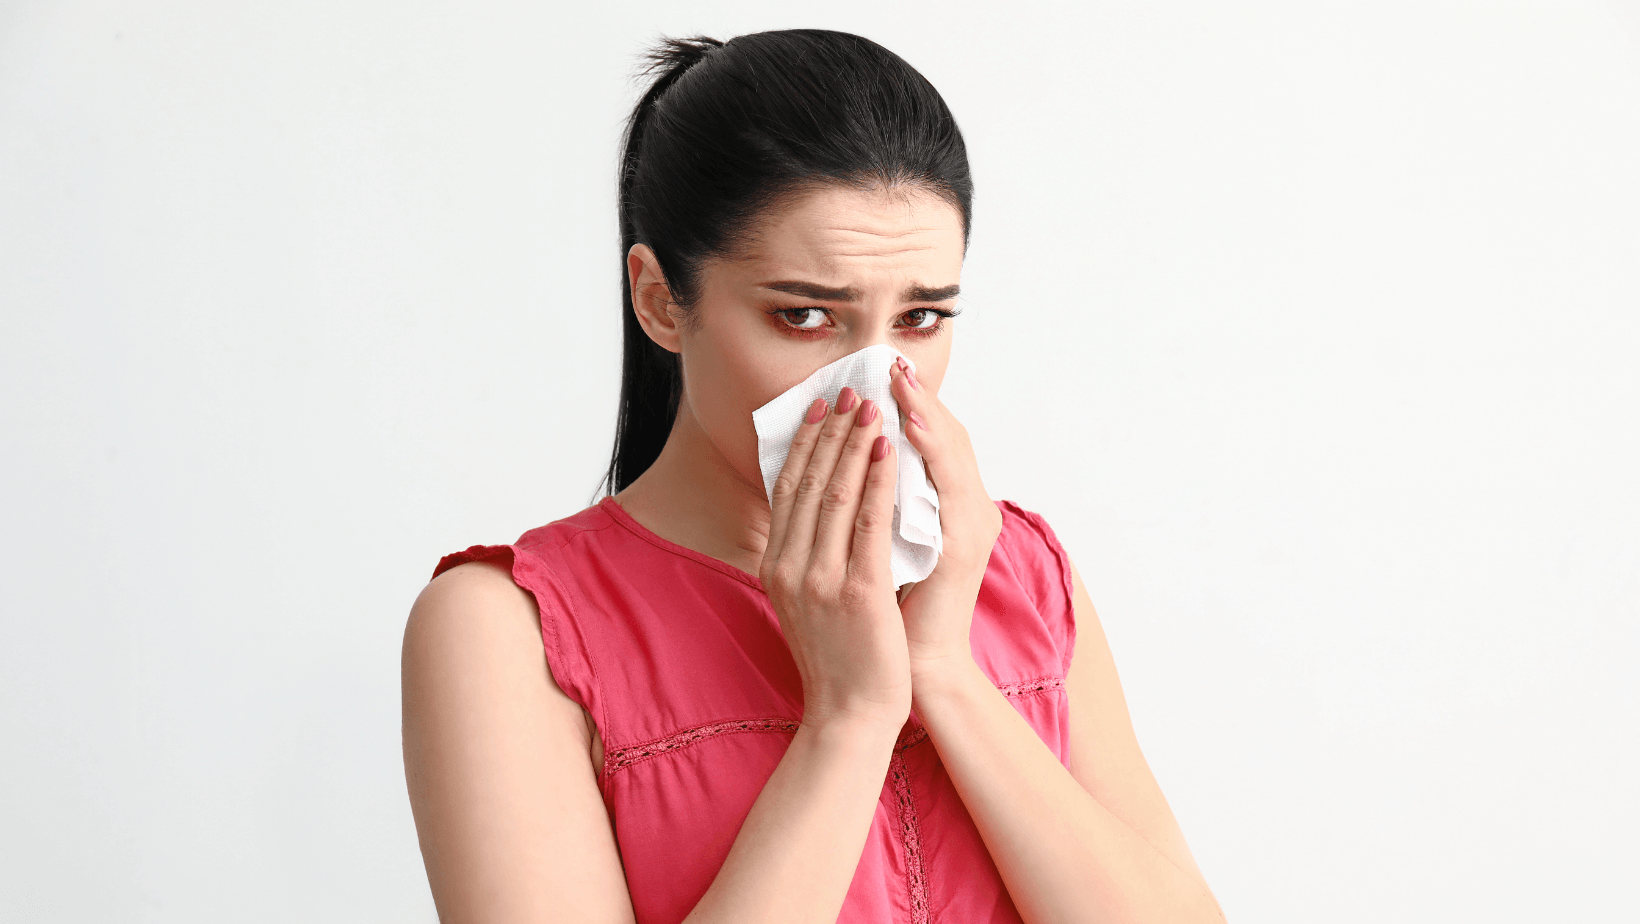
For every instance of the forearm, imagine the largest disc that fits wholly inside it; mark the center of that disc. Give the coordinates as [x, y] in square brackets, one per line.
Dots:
[1063, 856]
[801, 842]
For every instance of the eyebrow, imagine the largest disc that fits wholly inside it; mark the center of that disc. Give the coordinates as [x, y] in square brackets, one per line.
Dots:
[913, 293]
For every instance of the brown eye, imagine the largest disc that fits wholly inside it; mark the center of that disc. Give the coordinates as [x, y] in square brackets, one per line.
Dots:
[921, 319]
[804, 318]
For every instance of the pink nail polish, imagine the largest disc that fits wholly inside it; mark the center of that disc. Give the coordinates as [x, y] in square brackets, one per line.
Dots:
[912, 378]
[868, 413]
[879, 449]
[817, 411]
[912, 416]
[845, 401]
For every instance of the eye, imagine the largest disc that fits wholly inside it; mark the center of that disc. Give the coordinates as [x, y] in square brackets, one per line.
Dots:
[921, 319]
[804, 318]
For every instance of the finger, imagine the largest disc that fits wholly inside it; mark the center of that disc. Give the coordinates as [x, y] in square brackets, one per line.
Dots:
[841, 500]
[932, 431]
[869, 557]
[812, 481]
[785, 484]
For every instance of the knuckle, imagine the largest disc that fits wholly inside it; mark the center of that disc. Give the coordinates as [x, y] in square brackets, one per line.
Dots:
[783, 576]
[785, 485]
[811, 482]
[869, 519]
[853, 593]
[817, 582]
[836, 496]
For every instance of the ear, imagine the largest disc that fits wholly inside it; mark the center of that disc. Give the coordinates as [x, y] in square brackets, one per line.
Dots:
[652, 300]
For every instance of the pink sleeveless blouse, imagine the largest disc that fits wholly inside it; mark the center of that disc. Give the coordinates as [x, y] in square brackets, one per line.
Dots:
[680, 661]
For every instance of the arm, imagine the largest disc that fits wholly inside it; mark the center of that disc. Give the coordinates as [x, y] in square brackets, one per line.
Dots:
[512, 824]
[499, 766]
[1095, 843]
[1099, 845]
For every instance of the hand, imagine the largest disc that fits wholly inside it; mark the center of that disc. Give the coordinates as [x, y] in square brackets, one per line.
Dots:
[938, 610]
[826, 566]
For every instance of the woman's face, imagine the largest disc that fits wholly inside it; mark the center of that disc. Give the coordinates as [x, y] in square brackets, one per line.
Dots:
[832, 272]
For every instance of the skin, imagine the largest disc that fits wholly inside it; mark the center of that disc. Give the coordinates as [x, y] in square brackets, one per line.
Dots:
[502, 765]
[705, 491]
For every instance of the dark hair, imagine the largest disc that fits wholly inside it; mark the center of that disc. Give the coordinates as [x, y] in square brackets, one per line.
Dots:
[729, 129]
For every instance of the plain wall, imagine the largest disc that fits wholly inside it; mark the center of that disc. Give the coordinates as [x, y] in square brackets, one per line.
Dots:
[1312, 329]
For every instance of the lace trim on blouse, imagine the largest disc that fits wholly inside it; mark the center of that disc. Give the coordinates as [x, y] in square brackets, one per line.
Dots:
[622, 758]
[1027, 687]
[899, 778]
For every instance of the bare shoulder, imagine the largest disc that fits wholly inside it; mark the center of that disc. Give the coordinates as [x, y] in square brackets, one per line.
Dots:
[473, 632]
[511, 821]
[473, 600]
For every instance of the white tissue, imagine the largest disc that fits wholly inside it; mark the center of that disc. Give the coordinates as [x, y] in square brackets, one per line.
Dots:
[916, 530]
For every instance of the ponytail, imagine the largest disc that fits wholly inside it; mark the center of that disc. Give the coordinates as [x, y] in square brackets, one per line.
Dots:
[651, 377]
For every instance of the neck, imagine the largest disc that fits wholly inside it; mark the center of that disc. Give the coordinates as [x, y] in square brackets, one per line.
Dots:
[692, 496]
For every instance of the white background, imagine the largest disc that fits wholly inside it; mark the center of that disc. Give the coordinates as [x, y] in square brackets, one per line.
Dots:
[1311, 327]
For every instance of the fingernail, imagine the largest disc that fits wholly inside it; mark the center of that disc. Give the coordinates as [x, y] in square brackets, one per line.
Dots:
[868, 413]
[845, 401]
[899, 363]
[817, 411]
[912, 416]
[912, 378]
[879, 449]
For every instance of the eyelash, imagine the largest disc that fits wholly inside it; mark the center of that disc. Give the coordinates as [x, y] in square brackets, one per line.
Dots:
[781, 317]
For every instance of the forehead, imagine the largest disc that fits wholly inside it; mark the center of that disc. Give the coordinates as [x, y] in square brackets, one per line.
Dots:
[835, 232]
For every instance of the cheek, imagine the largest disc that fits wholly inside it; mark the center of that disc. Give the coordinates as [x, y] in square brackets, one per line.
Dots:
[724, 383]
[931, 365]
[745, 372]
[741, 369]
[932, 381]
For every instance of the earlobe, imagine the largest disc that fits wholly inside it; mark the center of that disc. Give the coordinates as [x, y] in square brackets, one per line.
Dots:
[651, 299]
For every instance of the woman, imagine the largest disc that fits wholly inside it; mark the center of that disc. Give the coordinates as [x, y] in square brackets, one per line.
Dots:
[739, 717]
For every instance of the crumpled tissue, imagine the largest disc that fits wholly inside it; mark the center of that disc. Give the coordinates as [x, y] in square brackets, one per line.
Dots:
[917, 540]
